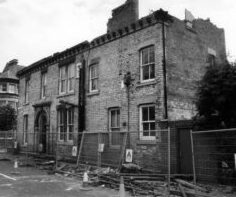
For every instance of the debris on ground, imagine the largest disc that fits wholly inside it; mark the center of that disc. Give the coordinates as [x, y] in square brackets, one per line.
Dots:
[136, 180]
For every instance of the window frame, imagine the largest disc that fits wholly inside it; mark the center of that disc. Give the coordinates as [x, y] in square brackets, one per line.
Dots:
[67, 78]
[1, 87]
[61, 80]
[25, 128]
[149, 64]
[118, 125]
[95, 78]
[211, 59]
[65, 125]
[71, 78]
[14, 88]
[142, 137]
[27, 90]
[43, 84]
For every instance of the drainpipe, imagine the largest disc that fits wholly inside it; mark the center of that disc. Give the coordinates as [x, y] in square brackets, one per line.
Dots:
[164, 70]
[82, 96]
[127, 82]
[164, 17]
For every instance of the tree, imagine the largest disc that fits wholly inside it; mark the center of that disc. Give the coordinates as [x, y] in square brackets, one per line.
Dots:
[7, 118]
[216, 97]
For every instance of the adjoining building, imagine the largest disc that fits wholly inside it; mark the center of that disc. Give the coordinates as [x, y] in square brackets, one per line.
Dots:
[138, 77]
[9, 83]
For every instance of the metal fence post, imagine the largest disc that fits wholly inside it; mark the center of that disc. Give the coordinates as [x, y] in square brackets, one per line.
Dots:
[169, 164]
[98, 151]
[193, 158]
[80, 148]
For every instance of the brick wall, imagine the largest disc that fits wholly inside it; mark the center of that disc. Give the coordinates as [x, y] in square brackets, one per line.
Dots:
[187, 51]
[52, 97]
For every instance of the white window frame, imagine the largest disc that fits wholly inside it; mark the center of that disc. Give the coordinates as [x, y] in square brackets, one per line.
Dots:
[65, 125]
[91, 79]
[70, 124]
[118, 127]
[61, 80]
[14, 88]
[71, 78]
[67, 78]
[147, 64]
[61, 124]
[27, 90]
[142, 137]
[25, 128]
[43, 84]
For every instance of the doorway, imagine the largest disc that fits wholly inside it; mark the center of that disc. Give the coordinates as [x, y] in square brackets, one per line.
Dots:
[185, 152]
[42, 132]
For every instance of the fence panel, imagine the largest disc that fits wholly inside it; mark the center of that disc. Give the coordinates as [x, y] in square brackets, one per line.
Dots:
[215, 156]
[7, 139]
[100, 148]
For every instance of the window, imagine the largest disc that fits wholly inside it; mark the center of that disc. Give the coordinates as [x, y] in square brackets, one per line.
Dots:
[3, 87]
[62, 80]
[71, 76]
[93, 78]
[70, 123]
[2, 102]
[114, 126]
[67, 77]
[211, 59]
[147, 122]
[27, 91]
[12, 104]
[66, 124]
[12, 88]
[43, 84]
[25, 129]
[147, 63]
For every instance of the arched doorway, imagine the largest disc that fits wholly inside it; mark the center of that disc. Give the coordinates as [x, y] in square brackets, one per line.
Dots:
[42, 131]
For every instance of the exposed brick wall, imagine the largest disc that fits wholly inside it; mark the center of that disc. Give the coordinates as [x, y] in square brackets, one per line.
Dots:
[124, 15]
[187, 52]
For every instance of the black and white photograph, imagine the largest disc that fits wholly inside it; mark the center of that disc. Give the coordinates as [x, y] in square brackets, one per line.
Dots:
[117, 98]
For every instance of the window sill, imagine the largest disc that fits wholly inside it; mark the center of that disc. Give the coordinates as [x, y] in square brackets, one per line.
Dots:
[93, 93]
[65, 143]
[114, 147]
[66, 94]
[146, 83]
[147, 142]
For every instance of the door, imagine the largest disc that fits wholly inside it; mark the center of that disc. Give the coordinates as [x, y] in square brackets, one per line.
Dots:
[43, 133]
[185, 152]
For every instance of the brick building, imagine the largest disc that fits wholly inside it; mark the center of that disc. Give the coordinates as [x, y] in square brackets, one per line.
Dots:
[9, 84]
[141, 72]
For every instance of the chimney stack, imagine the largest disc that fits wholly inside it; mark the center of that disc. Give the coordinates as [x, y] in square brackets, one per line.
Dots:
[124, 15]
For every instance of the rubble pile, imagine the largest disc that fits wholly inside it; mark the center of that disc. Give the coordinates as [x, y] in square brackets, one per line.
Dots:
[137, 181]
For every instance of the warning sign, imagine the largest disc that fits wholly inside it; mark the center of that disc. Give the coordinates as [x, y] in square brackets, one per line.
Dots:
[129, 155]
[100, 148]
[74, 151]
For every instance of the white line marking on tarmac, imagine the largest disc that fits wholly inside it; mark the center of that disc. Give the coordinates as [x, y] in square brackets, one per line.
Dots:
[8, 177]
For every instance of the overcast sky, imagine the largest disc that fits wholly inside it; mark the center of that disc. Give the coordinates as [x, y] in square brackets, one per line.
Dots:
[33, 29]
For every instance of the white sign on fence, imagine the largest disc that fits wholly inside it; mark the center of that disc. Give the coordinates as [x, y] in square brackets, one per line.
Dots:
[74, 151]
[100, 148]
[129, 155]
[235, 160]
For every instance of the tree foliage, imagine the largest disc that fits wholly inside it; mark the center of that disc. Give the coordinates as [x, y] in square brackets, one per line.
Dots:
[7, 118]
[216, 97]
